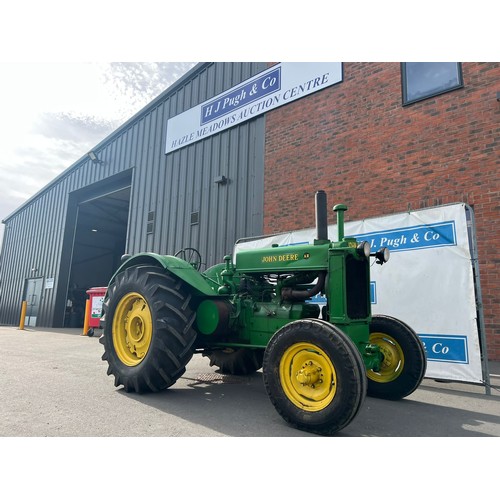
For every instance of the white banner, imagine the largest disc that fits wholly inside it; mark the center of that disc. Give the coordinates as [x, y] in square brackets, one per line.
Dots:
[274, 87]
[428, 282]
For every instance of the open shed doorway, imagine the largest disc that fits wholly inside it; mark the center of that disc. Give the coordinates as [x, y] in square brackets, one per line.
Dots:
[99, 242]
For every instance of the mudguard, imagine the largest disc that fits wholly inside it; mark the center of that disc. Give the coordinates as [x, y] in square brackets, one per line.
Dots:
[180, 268]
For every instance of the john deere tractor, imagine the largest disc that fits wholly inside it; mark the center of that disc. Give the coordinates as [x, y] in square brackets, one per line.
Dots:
[255, 311]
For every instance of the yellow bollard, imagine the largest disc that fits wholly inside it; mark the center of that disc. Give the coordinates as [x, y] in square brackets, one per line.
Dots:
[23, 315]
[86, 319]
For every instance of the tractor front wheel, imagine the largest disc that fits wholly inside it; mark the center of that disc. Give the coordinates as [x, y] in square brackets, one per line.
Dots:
[404, 361]
[148, 334]
[314, 376]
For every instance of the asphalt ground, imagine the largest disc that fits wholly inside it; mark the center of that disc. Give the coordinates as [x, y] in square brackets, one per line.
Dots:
[53, 384]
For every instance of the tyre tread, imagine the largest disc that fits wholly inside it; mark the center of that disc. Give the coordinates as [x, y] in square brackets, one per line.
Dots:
[173, 335]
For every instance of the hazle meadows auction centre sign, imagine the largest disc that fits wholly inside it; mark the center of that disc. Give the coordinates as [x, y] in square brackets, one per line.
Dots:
[279, 85]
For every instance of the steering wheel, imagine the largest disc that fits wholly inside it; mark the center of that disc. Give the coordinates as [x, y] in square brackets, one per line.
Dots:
[190, 255]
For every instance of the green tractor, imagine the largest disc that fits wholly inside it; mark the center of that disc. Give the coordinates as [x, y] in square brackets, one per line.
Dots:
[256, 312]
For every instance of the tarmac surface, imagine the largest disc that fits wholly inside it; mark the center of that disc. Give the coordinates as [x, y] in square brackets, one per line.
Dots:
[53, 384]
[67, 431]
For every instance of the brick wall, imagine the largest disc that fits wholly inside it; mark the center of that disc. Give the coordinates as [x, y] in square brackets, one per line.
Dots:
[356, 141]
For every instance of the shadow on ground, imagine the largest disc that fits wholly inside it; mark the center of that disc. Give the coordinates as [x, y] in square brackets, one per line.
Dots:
[239, 406]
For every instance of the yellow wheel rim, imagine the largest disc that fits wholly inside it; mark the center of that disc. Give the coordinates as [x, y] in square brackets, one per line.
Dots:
[132, 329]
[394, 359]
[308, 377]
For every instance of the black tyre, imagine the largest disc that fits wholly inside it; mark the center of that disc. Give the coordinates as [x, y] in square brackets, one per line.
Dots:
[404, 364]
[238, 361]
[314, 376]
[148, 334]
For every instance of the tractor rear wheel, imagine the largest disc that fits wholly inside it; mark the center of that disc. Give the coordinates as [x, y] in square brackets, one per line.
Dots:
[238, 361]
[314, 376]
[148, 334]
[404, 363]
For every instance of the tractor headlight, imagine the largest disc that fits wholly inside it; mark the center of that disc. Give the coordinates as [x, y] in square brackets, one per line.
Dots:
[364, 248]
[382, 255]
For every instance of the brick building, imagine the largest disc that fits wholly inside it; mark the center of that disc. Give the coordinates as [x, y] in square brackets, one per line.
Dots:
[366, 148]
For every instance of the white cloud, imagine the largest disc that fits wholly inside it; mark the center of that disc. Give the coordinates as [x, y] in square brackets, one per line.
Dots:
[52, 114]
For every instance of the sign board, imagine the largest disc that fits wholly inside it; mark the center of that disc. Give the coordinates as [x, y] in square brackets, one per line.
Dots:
[49, 283]
[274, 87]
[96, 307]
[428, 282]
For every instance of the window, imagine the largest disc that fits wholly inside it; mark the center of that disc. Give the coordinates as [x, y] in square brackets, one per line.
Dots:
[150, 227]
[426, 79]
[195, 218]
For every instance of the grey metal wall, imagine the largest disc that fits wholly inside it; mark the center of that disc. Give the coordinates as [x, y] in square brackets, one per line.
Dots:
[38, 236]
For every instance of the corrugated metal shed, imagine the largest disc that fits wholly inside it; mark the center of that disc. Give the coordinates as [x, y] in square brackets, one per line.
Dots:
[174, 199]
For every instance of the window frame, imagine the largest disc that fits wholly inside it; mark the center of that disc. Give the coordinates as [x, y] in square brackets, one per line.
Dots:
[404, 81]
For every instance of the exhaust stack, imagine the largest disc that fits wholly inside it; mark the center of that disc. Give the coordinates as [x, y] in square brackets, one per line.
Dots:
[321, 216]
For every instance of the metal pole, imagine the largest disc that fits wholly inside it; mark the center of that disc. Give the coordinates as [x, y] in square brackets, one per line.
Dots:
[86, 319]
[471, 223]
[23, 315]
